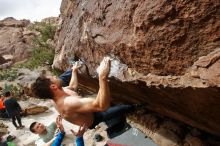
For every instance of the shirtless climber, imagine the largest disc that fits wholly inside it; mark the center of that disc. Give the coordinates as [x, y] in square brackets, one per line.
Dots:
[74, 108]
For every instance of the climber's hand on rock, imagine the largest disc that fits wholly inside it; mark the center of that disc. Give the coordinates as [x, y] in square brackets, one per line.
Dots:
[104, 68]
[76, 66]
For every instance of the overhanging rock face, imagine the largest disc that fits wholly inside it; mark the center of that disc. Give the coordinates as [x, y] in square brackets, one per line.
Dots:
[165, 53]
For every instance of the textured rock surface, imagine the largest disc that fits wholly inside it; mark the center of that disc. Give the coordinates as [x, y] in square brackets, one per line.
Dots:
[167, 132]
[3, 129]
[167, 53]
[15, 39]
[2, 60]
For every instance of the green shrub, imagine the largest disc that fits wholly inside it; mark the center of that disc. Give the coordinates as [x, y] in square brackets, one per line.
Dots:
[16, 90]
[46, 30]
[40, 57]
[42, 52]
[8, 74]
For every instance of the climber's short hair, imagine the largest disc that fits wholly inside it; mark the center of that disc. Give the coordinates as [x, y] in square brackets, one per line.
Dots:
[41, 88]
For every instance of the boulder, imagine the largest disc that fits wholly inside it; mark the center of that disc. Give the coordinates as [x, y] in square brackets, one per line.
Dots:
[166, 53]
[35, 110]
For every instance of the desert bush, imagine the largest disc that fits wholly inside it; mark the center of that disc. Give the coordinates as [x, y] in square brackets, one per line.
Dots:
[15, 89]
[40, 57]
[42, 51]
[46, 32]
[8, 74]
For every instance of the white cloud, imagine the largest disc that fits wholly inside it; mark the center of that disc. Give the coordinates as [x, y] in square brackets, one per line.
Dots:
[34, 10]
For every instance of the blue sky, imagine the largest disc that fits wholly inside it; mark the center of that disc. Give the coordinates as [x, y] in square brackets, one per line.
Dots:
[34, 10]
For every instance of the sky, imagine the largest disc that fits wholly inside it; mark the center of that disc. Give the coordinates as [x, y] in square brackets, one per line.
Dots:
[34, 10]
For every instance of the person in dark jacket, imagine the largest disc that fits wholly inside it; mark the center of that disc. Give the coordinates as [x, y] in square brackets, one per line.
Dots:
[13, 109]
